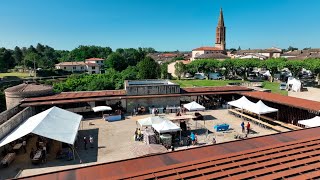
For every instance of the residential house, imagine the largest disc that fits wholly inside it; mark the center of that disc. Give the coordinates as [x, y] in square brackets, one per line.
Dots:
[91, 68]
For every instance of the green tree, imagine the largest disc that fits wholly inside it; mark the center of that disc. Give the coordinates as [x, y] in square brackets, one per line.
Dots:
[116, 61]
[314, 66]
[131, 73]
[6, 60]
[148, 69]
[273, 65]
[295, 66]
[18, 55]
[180, 69]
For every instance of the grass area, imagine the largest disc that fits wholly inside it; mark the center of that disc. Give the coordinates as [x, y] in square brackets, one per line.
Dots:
[201, 83]
[17, 74]
[274, 87]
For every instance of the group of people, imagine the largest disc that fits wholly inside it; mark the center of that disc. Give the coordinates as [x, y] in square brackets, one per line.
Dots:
[41, 145]
[247, 126]
[138, 135]
[87, 140]
[192, 139]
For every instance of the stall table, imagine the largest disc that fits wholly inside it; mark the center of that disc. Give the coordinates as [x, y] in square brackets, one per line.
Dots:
[37, 157]
[8, 159]
[17, 146]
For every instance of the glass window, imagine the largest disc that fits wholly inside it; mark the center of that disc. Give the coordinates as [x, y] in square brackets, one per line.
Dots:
[93, 67]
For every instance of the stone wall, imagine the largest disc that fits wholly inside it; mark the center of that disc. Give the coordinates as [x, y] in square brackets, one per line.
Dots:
[154, 101]
[15, 121]
[5, 115]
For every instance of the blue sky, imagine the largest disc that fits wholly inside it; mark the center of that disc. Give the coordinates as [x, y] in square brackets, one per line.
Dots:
[162, 24]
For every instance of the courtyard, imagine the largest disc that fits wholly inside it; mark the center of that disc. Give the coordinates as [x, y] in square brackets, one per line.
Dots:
[114, 141]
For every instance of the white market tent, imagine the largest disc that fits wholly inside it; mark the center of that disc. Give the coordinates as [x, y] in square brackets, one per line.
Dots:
[260, 108]
[241, 103]
[295, 83]
[308, 123]
[101, 108]
[54, 123]
[194, 106]
[149, 121]
[165, 127]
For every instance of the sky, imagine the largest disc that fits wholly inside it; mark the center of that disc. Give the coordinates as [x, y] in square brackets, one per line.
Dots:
[166, 25]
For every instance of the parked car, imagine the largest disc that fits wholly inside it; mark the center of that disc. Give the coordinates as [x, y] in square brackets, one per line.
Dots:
[283, 86]
[188, 75]
[216, 76]
[199, 76]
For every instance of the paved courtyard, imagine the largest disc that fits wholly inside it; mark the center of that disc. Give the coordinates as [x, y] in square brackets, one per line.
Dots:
[115, 141]
[311, 94]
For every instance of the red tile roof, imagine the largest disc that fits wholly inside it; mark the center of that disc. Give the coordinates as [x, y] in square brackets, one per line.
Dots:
[207, 49]
[75, 95]
[286, 100]
[292, 154]
[95, 59]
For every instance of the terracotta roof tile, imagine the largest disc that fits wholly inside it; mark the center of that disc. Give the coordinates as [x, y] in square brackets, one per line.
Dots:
[280, 155]
[207, 48]
[95, 59]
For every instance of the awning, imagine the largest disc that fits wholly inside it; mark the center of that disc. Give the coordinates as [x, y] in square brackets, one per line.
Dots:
[54, 123]
[260, 108]
[241, 103]
[194, 106]
[313, 122]
[150, 120]
[166, 126]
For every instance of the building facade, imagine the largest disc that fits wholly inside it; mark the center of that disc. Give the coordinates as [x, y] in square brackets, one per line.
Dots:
[91, 68]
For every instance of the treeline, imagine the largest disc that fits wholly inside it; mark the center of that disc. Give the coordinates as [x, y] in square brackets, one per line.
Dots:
[45, 57]
[243, 66]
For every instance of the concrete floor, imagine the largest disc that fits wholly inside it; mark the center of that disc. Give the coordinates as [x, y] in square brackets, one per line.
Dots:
[116, 139]
[311, 94]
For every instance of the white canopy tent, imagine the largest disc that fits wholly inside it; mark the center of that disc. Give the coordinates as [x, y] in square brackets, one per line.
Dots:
[295, 84]
[242, 103]
[194, 106]
[308, 123]
[149, 121]
[165, 127]
[54, 123]
[260, 108]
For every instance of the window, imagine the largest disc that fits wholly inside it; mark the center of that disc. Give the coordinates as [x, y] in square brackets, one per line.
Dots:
[82, 67]
[64, 67]
[93, 72]
[93, 67]
[74, 67]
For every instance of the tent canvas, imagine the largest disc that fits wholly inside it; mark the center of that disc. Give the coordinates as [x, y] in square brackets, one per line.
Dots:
[295, 84]
[194, 106]
[313, 122]
[54, 123]
[101, 108]
[166, 126]
[150, 120]
[260, 108]
[241, 103]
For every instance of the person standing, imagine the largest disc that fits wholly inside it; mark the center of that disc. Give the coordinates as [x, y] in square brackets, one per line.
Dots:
[85, 141]
[31, 153]
[242, 126]
[24, 144]
[248, 128]
[91, 141]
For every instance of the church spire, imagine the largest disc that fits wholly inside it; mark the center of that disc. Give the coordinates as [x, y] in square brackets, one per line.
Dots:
[221, 20]
[221, 33]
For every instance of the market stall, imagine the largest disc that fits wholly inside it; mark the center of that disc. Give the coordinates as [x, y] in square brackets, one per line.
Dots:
[309, 123]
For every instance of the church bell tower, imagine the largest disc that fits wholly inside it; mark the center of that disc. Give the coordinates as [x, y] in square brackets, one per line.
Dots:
[221, 33]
